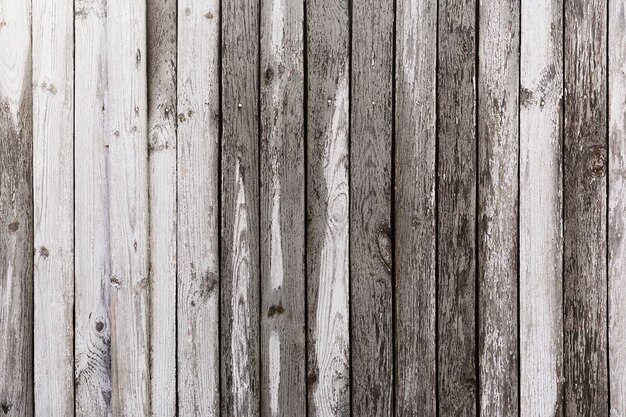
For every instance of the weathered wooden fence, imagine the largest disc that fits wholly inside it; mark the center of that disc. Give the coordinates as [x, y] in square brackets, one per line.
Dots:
[318, 207]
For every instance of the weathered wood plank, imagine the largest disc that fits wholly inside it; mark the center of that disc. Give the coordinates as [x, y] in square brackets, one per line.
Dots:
[541, 202]
[16, 210]
[283, 384]
[240, 286]
[585, 208]
[198, 208]
[457, 208]
[498, 150]
[617, 206]
[328, 285]
[415, 236]
[161, 67]
[53, 189]
[126, 114]
[371, 251]
[91, 222]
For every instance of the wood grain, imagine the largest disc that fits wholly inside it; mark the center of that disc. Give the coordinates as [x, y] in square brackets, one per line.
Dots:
[457, 160]
[371, 246]
[240, 210]
[541, 203]
[415, 208]
[16, 210]
[498, 150]
[283, 359]
[53, 199]
[585, 209]
[198, 208]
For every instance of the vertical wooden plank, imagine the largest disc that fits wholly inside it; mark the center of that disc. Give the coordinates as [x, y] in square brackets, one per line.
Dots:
[161, 67]
[498, 150]
[92, 249]
[371, 317]
[617, 206]
[53, 196]
[240, 209]
[16, 210]
[585, 208]
[283, 385]
[328, 103]
[541, 197]
[126, 114]
[414, 246]
[198, 208]
[457, 208]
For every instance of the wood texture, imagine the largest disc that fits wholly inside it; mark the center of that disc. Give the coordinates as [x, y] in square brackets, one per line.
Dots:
[457, 159]
[282, 239]
[240, 210]
[498, 148]
[53, 200]
[371, 248]
[541, 204]
[415, 208]
[16, 210]
[328, 285]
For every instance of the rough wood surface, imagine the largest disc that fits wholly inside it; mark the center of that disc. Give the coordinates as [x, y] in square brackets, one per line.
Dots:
[371, 248]
[415, 208]
[283, 358]
[240, 351]
[541, 202]
[328, 285]
[53, 200]
[16, 210]
[585, 209]
[498, 150]
[617, 207]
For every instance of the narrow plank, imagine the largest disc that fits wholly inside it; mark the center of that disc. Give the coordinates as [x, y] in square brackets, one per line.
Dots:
[91, 222]
[53, 189]
[240, 286]
[617, 206]
[457, 160]
[498, 85]
[415, 205]
[585, 209]
[161, 68]
[126, 114]
[283, 383]
[16, 209]
[371, 312]
[198, 208]
[328, 285]
[540, 205]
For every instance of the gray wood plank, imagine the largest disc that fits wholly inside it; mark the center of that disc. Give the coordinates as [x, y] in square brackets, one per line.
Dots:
[498, 150]
[371, 248]
[198, 208]
[283, 384]
[240, 286]
[53, 189]
[617, 206]
[541, 203]
[415, 208]
[161, 67]
[16, 210]
[585, 209]
[457, 208]
[328, 101]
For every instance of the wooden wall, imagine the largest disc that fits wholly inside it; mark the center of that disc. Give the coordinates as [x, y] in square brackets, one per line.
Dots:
[313, 208]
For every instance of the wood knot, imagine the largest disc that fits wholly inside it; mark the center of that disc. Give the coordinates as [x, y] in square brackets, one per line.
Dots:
[13, 227]
[99, 326]
[384, 246]
[43, 251]
[275, 310]
[209, 15]
[597, 161]
[268, 75]
[6, 407]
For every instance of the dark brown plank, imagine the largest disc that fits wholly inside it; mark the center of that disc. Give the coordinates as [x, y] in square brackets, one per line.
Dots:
[240, 284]
[457, 208]
[370, 208]
[585, 209]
